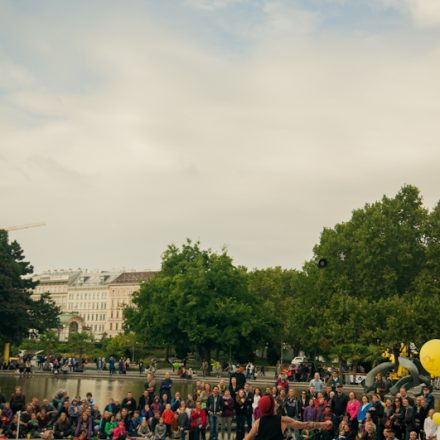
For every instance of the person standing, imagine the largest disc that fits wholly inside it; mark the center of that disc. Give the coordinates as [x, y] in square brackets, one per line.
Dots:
[272, 427]
[408, 418]
[18, 400]
[227, 415]
[317, 383]
[198, 421]
[183, 420]
[214, 406]
[339, 403]
[352, 409]
[165, 386]
[249, 406]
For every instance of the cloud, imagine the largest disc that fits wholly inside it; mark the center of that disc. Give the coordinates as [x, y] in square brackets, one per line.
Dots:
[212, 5]
[143, 132]
[424, 13]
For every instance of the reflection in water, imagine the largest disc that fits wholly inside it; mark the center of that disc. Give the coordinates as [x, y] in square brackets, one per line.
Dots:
[102, 389]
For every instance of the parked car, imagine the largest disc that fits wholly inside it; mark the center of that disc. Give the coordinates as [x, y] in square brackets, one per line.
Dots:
[300, 360]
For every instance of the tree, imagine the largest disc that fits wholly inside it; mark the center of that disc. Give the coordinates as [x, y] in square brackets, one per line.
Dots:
[276, 291]
[79, 343]
[124, 344]
[381, 284]
[18, 312]
[200, 300]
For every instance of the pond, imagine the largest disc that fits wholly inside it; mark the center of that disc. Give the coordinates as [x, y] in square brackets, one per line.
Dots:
[102, 389]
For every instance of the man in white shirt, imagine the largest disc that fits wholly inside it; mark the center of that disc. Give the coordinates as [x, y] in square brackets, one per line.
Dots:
[317, 383]
[429, 427]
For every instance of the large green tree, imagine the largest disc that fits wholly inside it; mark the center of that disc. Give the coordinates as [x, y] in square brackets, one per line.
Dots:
[200, 300]
[382, 280]
[19, 314]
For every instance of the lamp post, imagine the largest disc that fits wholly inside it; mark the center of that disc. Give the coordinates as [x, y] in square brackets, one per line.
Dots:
[283, 347]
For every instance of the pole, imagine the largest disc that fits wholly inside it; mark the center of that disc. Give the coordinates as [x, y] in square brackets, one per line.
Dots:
[6, 351]
[18, 424]
[281, 356]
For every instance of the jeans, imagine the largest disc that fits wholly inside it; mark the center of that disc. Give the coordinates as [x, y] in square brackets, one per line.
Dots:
[226, 424]
[182, 434]
[213, 427]
[197, 433]
[248, 422]
[241, 420]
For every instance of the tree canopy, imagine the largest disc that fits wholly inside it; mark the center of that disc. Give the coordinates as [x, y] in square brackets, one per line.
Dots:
[19, 314]
[200, 300]
[381, 287]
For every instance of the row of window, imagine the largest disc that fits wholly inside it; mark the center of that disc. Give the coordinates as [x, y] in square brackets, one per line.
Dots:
[88, 306]
[98, 327]
[88, 295]
[116, 326]
[93, 317]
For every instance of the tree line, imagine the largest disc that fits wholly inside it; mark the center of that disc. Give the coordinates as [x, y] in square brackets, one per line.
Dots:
[380, 288]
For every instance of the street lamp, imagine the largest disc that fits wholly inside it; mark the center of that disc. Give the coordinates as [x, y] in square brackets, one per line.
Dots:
[283, 347]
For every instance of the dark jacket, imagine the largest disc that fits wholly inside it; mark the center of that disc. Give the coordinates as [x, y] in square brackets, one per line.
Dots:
[228, 407]
[408, 418]
[18, 403]
[339, 404]
[291, 408]
[210, 404]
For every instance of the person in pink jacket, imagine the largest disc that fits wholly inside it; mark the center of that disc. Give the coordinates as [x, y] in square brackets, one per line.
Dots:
[120, 433]
[353, 406]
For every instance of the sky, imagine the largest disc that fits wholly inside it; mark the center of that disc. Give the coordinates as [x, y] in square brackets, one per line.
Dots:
[250, 124]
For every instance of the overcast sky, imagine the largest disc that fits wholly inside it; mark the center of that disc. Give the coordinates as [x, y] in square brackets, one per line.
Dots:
[126, 126]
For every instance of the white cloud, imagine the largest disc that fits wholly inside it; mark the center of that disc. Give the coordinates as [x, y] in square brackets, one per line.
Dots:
[176, 139]
[424, 13]
[212, 4]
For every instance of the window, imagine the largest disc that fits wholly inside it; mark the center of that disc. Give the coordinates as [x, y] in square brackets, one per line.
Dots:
[111, 325]
[111, 314]
[105, 306]
[116, 326]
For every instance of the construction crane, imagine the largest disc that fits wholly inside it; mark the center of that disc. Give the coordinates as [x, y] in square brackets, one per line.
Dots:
[26, 226]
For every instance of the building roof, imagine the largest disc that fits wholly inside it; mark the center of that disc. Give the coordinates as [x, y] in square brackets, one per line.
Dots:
[57, 277]
[133, 277]
[94, 279]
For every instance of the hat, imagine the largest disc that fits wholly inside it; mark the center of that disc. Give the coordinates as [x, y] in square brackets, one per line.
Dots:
[266, 405]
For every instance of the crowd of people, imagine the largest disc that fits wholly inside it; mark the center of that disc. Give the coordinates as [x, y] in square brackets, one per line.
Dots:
[229, 408]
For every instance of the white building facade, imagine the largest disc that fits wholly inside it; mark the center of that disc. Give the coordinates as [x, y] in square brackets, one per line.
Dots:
[90, 301]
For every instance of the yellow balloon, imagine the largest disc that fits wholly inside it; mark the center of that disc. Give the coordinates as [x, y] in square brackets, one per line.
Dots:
[430, 357]
[436, 418]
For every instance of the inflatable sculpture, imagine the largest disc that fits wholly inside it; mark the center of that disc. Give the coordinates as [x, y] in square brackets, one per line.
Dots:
[417, 371]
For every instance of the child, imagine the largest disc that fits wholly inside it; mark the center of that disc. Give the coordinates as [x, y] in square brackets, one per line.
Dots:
[168, 418]
[120, 433]
[143, 430]
[160, 431]
[182, 420]
[134, 424]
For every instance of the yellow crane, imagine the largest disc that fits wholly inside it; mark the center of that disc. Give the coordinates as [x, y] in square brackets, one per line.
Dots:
[7, 346]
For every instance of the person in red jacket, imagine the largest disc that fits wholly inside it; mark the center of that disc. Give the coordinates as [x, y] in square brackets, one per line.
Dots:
[198, 421]
[168, 418]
